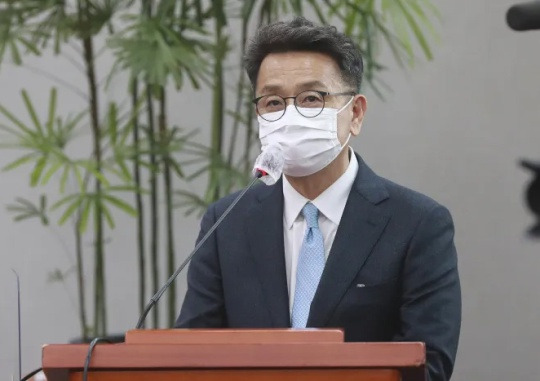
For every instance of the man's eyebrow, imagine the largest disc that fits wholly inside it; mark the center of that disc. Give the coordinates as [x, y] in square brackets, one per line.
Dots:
[270, 89]
[310, 85]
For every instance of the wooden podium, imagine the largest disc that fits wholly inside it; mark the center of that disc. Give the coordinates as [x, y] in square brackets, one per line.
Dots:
[240, 355]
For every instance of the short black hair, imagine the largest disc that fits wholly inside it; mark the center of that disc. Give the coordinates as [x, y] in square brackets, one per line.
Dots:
[301, 34]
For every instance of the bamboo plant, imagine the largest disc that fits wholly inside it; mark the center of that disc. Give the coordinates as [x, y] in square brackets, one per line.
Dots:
[30, 26]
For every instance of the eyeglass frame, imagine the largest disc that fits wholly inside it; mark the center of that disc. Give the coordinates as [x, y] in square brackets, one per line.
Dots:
[323, 94]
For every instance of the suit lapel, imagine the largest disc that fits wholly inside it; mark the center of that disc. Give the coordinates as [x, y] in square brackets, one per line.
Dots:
[359, 230]
[264, 226]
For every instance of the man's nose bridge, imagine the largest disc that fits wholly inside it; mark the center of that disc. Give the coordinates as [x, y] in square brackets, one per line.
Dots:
[287, 102]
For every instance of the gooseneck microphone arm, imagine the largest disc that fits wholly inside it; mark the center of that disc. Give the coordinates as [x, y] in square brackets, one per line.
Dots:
[171, 279]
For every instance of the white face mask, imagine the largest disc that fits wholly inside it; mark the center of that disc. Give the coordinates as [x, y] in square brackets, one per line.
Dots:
[308, 144]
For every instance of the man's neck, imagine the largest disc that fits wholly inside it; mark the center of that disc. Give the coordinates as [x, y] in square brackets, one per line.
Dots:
[313, 185]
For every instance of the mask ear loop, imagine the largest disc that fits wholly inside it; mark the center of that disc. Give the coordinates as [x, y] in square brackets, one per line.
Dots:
[346, 104]
[341, 109]
[346, 141]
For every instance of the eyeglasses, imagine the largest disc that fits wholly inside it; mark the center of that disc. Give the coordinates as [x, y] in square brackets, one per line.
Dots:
[308, 103]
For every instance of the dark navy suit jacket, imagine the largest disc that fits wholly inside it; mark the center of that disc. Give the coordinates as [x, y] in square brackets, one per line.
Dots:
[391, 274]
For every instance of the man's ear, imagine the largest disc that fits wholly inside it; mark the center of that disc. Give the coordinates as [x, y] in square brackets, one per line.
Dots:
[359, 108]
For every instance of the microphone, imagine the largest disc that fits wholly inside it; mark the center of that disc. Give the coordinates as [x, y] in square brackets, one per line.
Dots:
[266, 167]
[524, 16]
[270, 163]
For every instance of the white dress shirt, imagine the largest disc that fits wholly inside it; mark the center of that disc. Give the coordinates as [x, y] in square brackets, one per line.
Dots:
[330, 203]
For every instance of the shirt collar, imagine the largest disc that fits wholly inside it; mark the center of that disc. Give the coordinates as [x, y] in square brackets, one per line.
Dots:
[330, 203]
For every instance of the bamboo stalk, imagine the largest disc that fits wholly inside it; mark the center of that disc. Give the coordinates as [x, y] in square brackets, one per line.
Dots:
[239, 92]
[138, 198]
[100, 318]
[154, 211]
[80, 281]
[171, 266]
[240, 105]
[213, 190]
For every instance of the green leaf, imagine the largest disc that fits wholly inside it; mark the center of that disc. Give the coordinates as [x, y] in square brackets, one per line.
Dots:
[120, 160]
[90, 167]
[108, 216]
[25, 209]
[38, 170]
[16, 209]
[43, 209]
[176, 167]
[22, 217]
[85, 213]
[113, 123]
[416, 30]
[71, 209]
[126, 132]
[79, 178]
[16, 121]
[100, 176]
[26, 203]
[120, 204]
[65, 200]
[30, 46]
[63, 178]
[31, 111]
[71, 123]
[423, 17]
[52, 111]
[52, 170]
[15, 55]
[20, 161]
[12, 131]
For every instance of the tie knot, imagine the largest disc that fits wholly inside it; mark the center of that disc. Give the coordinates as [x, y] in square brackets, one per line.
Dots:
[311, 214]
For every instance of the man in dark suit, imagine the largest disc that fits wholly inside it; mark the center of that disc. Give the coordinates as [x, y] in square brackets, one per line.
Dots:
[331, 244]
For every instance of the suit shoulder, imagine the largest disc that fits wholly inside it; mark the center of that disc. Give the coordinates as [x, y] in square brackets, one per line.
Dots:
[409, 199]
[394, 197]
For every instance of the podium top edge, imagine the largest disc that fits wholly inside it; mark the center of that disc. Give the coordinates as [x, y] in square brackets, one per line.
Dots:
[233, 336]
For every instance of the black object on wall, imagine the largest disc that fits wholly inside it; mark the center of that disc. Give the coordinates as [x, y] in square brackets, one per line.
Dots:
[532, 195]
[525, 16]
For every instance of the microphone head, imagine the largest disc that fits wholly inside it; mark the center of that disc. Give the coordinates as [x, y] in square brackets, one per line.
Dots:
[270, 164]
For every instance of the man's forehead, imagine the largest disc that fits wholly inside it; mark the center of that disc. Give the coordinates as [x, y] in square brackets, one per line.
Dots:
[297, 71]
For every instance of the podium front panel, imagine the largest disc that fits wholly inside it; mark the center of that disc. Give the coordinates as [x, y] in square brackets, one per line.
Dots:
[245, 375]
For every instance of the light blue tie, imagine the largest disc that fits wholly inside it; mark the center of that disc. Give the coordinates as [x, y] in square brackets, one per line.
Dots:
[310, 267]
